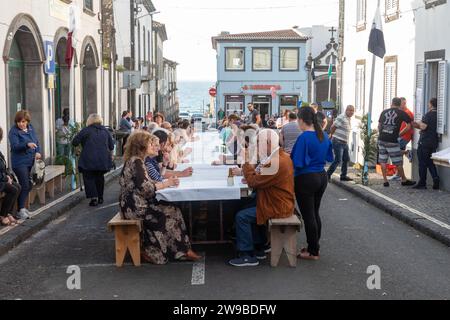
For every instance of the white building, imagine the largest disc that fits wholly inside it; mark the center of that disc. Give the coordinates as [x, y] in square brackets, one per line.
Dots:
[394, 75]
[135, 45]
[29, 29]
[432, 53]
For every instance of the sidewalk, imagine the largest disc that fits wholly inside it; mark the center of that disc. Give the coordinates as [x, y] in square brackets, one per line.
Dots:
[426, 210]
[11, 237]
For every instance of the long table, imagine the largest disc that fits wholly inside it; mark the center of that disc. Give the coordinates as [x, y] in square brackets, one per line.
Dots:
[208, 183]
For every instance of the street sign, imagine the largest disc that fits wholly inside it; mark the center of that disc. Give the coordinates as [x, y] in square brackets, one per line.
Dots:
[50, 58]
[213, 92]
[131, 80]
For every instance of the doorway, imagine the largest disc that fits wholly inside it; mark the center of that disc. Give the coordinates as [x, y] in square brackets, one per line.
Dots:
[264, 105]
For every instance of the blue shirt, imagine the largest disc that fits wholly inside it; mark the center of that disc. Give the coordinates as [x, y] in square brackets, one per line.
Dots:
[153, 169]
[310, 155]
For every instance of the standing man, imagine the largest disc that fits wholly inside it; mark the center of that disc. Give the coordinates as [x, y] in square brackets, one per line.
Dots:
[254, 116]
[289, 133]
[340, 133]
[428, 144]
[407, 137]
[388, 146]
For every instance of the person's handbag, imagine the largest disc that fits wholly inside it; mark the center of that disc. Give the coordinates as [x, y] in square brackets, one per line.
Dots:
[37, 174]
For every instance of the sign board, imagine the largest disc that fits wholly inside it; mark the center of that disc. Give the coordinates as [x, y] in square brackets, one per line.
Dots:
[51, 81]
[213, 92]
[50, 58]
[131, 80]
[262, 87]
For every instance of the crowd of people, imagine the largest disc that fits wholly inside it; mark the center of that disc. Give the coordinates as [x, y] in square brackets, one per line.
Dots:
[283, 165]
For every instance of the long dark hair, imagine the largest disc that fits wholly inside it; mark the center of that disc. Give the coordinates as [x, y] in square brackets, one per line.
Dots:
[309, 116]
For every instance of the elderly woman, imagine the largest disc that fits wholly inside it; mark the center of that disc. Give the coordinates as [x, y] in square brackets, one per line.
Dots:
[25, 150]
[10, 189]
[165, 235]
[96, 157]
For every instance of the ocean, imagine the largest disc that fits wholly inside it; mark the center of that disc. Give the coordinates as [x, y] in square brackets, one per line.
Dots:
[193, 94]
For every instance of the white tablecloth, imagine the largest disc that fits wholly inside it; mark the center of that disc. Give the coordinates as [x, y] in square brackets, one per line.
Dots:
[208, 183]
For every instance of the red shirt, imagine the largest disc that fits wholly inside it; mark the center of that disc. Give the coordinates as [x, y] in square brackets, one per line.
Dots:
[409, 134]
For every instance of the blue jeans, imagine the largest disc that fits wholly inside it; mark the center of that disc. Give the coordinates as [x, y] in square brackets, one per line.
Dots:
[248, 233]
[23, 175]
[341, 155]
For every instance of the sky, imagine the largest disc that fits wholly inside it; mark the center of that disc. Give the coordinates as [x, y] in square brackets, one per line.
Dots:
[190, 25]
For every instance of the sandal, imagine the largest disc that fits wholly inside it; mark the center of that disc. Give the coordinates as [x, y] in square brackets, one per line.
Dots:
[308, 256]
[5, 222]
[13, 221]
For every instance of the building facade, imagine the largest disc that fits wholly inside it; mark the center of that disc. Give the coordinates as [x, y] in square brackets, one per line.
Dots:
[171, 104]
[394, 75]
[432, 53]
[35, 74]
[265, 68]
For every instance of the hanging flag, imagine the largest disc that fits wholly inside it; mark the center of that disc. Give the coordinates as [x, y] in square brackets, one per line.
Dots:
[313, 70]
[376, 41]
[330, 70]
[71, 37]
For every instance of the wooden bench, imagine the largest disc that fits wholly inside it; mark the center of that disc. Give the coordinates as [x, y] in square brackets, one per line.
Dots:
[53, 180]
[283, 234]
[128, 237]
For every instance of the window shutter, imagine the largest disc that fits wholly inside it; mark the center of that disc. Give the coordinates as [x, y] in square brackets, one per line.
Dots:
[390, 83]
[419, 94]
[442, 98]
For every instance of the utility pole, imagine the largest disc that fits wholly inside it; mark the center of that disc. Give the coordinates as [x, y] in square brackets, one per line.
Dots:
[132, 93]
[340, 64]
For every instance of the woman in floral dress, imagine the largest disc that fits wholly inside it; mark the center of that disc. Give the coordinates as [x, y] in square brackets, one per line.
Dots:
[164, 236]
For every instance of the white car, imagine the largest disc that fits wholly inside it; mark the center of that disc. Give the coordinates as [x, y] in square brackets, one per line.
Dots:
[185, 116]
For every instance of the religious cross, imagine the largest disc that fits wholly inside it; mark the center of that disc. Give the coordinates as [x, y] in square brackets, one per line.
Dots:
[332, 30]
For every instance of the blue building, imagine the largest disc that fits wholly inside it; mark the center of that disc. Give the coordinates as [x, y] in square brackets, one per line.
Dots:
[263, 68]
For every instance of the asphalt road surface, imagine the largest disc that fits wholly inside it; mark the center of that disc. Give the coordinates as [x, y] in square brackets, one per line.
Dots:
[355, 236]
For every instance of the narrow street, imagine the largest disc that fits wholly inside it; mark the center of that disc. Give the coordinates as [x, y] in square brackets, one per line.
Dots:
[356, 236]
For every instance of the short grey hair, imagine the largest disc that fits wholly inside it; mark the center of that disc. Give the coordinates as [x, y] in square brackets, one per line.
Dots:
[94, 119]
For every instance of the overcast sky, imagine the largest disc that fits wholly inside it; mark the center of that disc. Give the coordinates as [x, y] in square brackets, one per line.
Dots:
[190, 25]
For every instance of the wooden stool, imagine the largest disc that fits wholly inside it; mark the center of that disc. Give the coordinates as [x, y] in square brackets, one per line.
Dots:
[128, 237]
[283, 234]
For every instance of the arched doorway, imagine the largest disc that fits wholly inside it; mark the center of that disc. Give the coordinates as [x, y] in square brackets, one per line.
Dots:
[89, 65]
[62, 79]
[24, 55]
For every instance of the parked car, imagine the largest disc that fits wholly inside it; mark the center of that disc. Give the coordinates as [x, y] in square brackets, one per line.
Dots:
[185, 116]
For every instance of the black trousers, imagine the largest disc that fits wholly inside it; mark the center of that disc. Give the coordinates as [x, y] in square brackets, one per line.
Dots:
[94, 183]
[309, 190]
[12, 192]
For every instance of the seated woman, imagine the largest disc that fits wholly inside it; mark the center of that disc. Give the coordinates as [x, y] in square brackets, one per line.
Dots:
[11, 190]
[164, 234]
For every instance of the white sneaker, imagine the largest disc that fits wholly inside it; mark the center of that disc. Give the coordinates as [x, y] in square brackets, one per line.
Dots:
[23, 214]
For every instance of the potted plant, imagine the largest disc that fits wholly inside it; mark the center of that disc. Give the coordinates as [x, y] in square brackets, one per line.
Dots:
[370, 148]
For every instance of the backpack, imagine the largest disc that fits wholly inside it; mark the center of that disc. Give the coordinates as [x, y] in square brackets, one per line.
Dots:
[37, 173]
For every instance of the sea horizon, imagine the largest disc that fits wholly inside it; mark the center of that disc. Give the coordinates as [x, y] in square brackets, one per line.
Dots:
[194, 95]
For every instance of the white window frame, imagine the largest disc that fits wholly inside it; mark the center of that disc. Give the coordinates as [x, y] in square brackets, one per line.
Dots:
[390, 81]
[255, 51]
[361, 15]
[392, 8]
[234, 69]
[360, 86]
[442, 97]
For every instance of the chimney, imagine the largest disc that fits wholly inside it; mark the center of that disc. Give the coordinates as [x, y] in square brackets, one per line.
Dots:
[224, 33]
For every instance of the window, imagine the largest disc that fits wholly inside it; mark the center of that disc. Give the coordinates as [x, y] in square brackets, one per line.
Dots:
[235, 59]
[361, 12]
[289, 59]
[392, 10]
[360, 86]
[390, 81]
[89, 5]
[288, 103]
[433, 3]
[262, 59]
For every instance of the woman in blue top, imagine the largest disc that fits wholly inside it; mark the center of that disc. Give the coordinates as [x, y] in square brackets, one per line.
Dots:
[310, 154]
[25, 150]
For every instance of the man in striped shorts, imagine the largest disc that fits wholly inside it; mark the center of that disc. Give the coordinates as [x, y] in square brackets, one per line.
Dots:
[388, 145]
